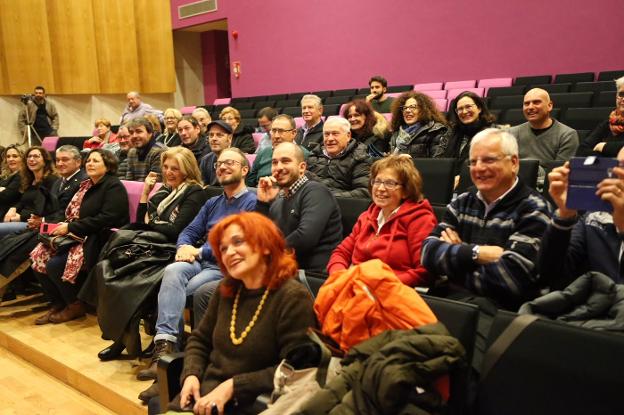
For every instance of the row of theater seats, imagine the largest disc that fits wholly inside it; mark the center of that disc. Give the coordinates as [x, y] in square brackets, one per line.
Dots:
[550, 368]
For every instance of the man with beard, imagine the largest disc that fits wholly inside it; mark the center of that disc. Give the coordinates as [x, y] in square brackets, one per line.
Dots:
[39, 113]
[306, 211]
[219, 139]
[190, 135]
[196, 266]
[379, 100]
[144, 156]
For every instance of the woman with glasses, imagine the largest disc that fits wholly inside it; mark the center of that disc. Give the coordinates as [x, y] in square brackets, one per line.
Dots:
[394, 226]
[608, 137]
[417, 126]
[366, 127]
[242, 137]
[467, 115]
[169, 136]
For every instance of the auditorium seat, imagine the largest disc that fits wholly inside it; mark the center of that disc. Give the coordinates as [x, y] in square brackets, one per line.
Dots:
[257, 137]
[574, 77]
[271, 103]
[222, 101]
[441, 104]
[237, 100]
[438, 94]
[134, 189]
[515, 116]
[453, 93]
[553, 88]
[431, 86]
[250, 158]
[331, 109]
[493, 82]
[243, 105]
[506, 101]
[277, 97]
[460, 84]
[573, 100]
[438, 211]
[248, 113]
[283, 103]
[259, 98]
[582, 134]
[213, 191]
[296, 95]
[506, 91]
[585, 118]
[251, 122]
[438, 178]
[395, 88]
[340, 99]
[610, 75]
[187, 110]
[387, 116]
[322, 94]
[350, 210]
[604, 99]
[74, 141]
[345, 92]
[554, 368]
[299, 121]
[50, 142]
[292, 111]
[593, 86]
[532, 80]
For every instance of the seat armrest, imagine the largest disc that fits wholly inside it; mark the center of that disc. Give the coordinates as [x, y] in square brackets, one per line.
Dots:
[168, 370]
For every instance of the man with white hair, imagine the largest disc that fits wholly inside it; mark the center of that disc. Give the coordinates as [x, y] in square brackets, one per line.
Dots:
[310, 134]
[137, 108]
[489, 238]
[342, 162]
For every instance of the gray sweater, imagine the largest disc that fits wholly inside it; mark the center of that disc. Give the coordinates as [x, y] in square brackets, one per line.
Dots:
[559, 142]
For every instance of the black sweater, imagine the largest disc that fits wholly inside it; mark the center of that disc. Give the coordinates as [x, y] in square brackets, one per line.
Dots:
[601, 133]
[11, 194]
[37, 199]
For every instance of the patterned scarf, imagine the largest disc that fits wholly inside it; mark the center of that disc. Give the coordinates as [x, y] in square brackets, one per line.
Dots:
[42, 253]
[616, 122]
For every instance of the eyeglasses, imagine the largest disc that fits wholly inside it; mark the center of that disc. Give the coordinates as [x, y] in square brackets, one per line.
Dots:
[227, 163]
[620, 95]
[388, 184]
[280, 131]
[34, 156]
[468, 107]
[486, 161]
[412, 108]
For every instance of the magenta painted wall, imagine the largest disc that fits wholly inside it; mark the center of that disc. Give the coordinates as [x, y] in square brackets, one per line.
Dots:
[296, 45]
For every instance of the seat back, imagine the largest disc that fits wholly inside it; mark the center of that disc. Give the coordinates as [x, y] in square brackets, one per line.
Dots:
[554, 368]
[460, 84]
[585, 118]
[594, 86]
[437, 94]
[574, 77]
[610, 75]
[135, 189]
[533, 80]
[573, 100]
[350, 210]
[494, 82]
[187, 110]
[222, 101]
[431, 86]
[50, 142]
[438, 178]
[453, 93]
[441, 104]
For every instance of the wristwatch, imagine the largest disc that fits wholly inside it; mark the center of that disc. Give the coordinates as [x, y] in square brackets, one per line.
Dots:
[475, 252]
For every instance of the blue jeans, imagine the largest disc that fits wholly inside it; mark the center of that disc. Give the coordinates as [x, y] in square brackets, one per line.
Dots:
[7, 228]
[181, 279]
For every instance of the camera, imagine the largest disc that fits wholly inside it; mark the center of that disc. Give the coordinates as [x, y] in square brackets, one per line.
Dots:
[25, 98]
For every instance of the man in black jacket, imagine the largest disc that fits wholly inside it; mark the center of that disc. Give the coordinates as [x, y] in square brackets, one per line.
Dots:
[310, 135]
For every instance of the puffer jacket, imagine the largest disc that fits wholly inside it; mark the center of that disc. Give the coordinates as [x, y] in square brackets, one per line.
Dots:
[423, 143]
[360, 302]
[346, 175]
[396, 372]
[243, 139]
[592, 301]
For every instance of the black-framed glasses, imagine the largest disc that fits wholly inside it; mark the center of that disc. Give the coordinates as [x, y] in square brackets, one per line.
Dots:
[412, 108]
[620, 95]
[280, 131]
[486, 161]
[388, 184]
[468, 107]
[227, 163]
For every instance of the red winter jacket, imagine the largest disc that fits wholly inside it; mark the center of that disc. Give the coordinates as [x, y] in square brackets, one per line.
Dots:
[398, 244]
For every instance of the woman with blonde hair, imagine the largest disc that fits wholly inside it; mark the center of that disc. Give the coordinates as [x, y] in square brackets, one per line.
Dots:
[242, 138]
[170, 136]
[12, 163]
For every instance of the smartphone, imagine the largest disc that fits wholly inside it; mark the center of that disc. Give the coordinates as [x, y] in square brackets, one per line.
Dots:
[585, 174]
[46, 228]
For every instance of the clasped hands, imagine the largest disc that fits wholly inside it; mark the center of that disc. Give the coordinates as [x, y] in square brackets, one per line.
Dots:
[487, 253]
[218, 397]
[187, 253]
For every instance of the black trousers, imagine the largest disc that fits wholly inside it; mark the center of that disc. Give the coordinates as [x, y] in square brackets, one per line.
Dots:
[59, 292]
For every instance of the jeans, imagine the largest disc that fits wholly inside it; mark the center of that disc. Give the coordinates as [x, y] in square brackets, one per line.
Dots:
[201, 298]
[181, 279]
[7, 228]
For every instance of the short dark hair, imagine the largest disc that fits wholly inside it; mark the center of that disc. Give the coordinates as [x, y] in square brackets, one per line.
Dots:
[268, 112]
[109, 159]
[485, 116]
[141, 122]
[380, 79]
[288, 118]
[40, 87]
[190, 119]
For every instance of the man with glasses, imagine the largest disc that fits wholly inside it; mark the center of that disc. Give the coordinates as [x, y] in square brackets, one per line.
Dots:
[282, 129]
[488, 240]
[342, 162]
[310, 134]
[120, 149]
[219, 139]
[542, 137]
[196, 266]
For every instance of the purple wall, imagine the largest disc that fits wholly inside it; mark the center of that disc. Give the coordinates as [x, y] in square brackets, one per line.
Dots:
[290, 45]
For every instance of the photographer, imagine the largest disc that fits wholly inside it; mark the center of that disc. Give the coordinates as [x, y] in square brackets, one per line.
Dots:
[38, 113]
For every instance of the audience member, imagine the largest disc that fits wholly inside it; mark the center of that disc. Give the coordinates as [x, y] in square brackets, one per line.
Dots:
[144, 156]
[488, 240]
[219, 139]
[39, 114]
[576, 243]
[103, 135]
[378, 98]
[417, 126]
[265, 118]
[282, 129]
[12, 163]
[137, 108]
[467, 115]
[259, 314]
[36, 181]
[156, 126]
[363, 121]
[542, 137]
[306, 211]
[121, 151]
[169, 136]
[310, 134]
[242, 137]
[168, 211]
[190, 134]
[608, 137]
[203, 118]
[394, 226]
[342, 163]
[196, 266]
[100, 204]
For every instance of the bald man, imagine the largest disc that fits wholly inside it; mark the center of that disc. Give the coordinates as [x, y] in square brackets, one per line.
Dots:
[542, 137]
[137, 108]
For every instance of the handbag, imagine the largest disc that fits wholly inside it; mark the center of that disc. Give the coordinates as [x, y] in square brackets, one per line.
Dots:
[60, 242]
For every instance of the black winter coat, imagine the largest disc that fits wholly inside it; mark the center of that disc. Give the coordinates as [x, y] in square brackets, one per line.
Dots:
[423, 143]
[313, 139]
[243, 139]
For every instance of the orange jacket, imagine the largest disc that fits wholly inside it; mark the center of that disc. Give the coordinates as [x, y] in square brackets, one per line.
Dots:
[360, 302]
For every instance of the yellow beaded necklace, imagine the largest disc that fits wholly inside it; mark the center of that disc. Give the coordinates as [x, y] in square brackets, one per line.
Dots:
[239, 340]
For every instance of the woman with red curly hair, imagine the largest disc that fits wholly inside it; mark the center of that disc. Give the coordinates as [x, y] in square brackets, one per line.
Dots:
[257, 315]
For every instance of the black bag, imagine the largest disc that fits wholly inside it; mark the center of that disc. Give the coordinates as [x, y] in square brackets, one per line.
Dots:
[60, 242]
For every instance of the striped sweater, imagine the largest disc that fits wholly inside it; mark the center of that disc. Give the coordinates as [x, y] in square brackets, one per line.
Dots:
[516, 223]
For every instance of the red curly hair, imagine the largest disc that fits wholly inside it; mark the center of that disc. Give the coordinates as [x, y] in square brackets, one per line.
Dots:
[262, 235]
